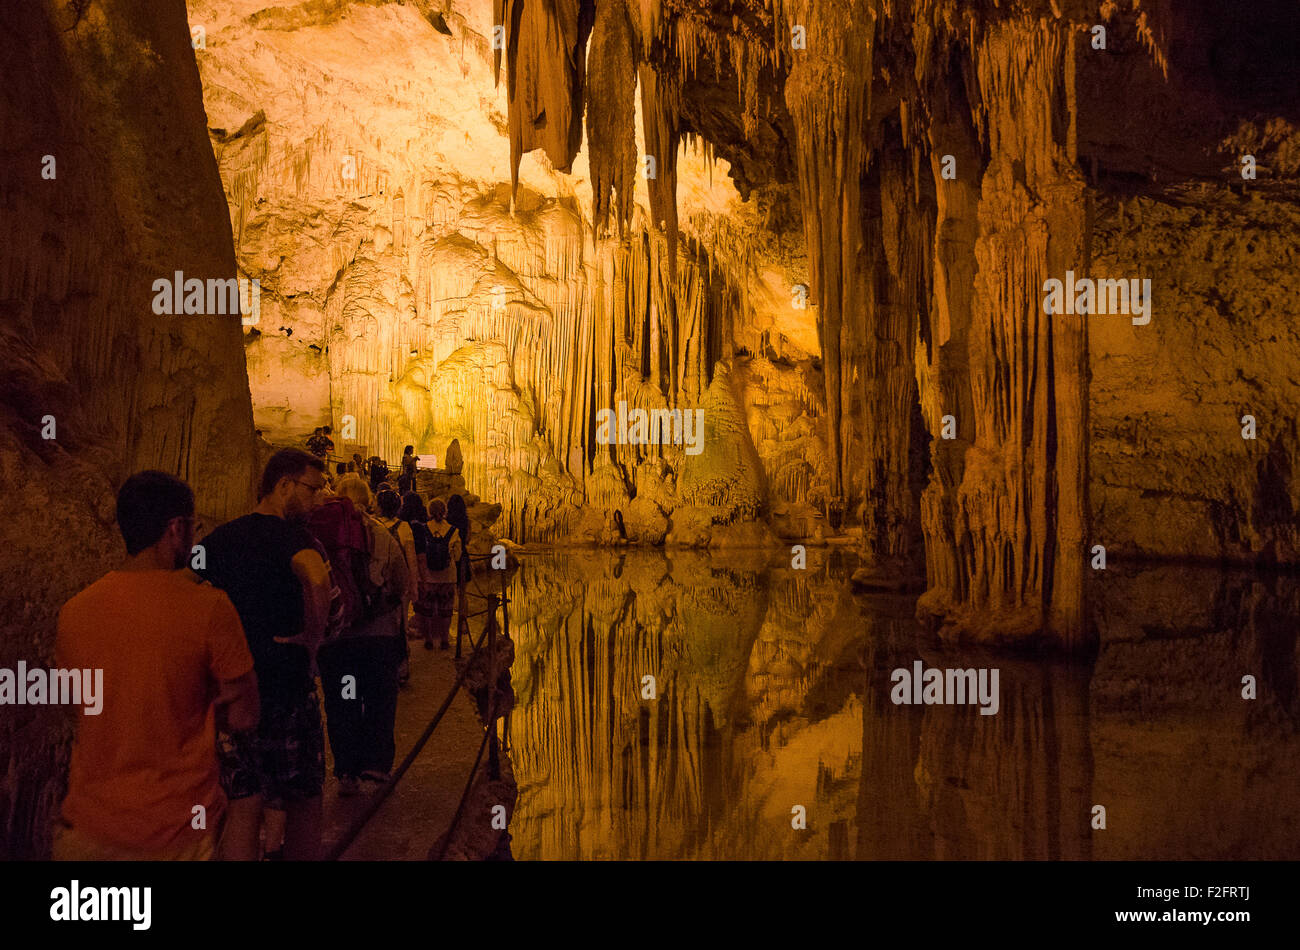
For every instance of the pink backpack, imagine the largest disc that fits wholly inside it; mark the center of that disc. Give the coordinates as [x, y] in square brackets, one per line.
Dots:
[341, 531]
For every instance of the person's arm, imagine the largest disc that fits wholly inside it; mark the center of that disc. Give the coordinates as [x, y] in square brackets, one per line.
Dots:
[454, 548]
[314, 576]
[231, 665]
[398, 563]
[238, 705]
[412, 565]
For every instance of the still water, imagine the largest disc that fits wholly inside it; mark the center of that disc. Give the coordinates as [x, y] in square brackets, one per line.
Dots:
[723, 706]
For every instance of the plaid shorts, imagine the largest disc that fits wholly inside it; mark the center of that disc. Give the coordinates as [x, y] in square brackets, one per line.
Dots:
[437, 600]
[283, 759]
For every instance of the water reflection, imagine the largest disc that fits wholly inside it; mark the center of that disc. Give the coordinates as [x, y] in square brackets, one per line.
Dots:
[772, 690]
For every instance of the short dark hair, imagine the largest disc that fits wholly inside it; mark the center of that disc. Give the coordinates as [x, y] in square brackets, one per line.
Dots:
[326, 429]
[341, 468]
[286, 463]
[147, 503]
[437, 509]
[388, 502]
[409, 450]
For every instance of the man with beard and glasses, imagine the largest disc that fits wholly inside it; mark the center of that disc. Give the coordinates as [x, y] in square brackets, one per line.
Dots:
[143, 783]
[274, 572]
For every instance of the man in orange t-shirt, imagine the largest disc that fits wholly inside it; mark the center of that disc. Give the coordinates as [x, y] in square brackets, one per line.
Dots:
[144, 779]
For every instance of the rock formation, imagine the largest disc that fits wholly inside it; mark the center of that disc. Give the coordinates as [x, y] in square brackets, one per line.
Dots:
[773, 688]
[102, 197]
[852, 207]
[827, 226]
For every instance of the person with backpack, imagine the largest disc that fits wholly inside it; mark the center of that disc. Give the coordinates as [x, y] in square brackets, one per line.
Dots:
[412, 513]
[270, 566]
[358, 666]
[389, 505]
[438, 549]
[319, 443]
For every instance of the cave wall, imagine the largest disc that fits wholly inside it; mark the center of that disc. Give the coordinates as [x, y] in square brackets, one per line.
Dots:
[440, 262]
[1163, 140]
[110, 90]
[423, 280]
[1172, 474]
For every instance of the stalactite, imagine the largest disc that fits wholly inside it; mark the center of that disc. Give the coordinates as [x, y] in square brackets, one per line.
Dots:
[545, 45]
[828, 95]
[660, 120]
[1005, 516]
[611, 114]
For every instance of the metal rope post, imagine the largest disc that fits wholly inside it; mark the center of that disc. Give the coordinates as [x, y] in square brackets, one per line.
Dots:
[494, 761]
[505, 618]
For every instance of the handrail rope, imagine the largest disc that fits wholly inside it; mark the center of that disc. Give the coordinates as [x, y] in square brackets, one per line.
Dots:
[469, 784]
[488, 733]
[354, 830]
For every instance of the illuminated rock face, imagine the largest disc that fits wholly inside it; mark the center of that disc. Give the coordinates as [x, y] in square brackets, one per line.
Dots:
[844, 211]
[408, 299]
[95, 384]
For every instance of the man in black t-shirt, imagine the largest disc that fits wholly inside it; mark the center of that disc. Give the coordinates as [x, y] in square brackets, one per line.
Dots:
[272, 569]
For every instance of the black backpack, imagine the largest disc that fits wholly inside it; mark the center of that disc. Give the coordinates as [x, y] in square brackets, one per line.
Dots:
[436, 549]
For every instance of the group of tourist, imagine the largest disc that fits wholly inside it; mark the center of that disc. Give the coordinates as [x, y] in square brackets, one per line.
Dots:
[212, 726]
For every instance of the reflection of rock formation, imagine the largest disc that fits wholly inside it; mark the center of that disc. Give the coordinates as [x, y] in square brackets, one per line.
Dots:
[892, 823]
[946, 782]
[1016, 785]
[1187, 767]
[593, 758]
[765, 703]
[742, 727]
